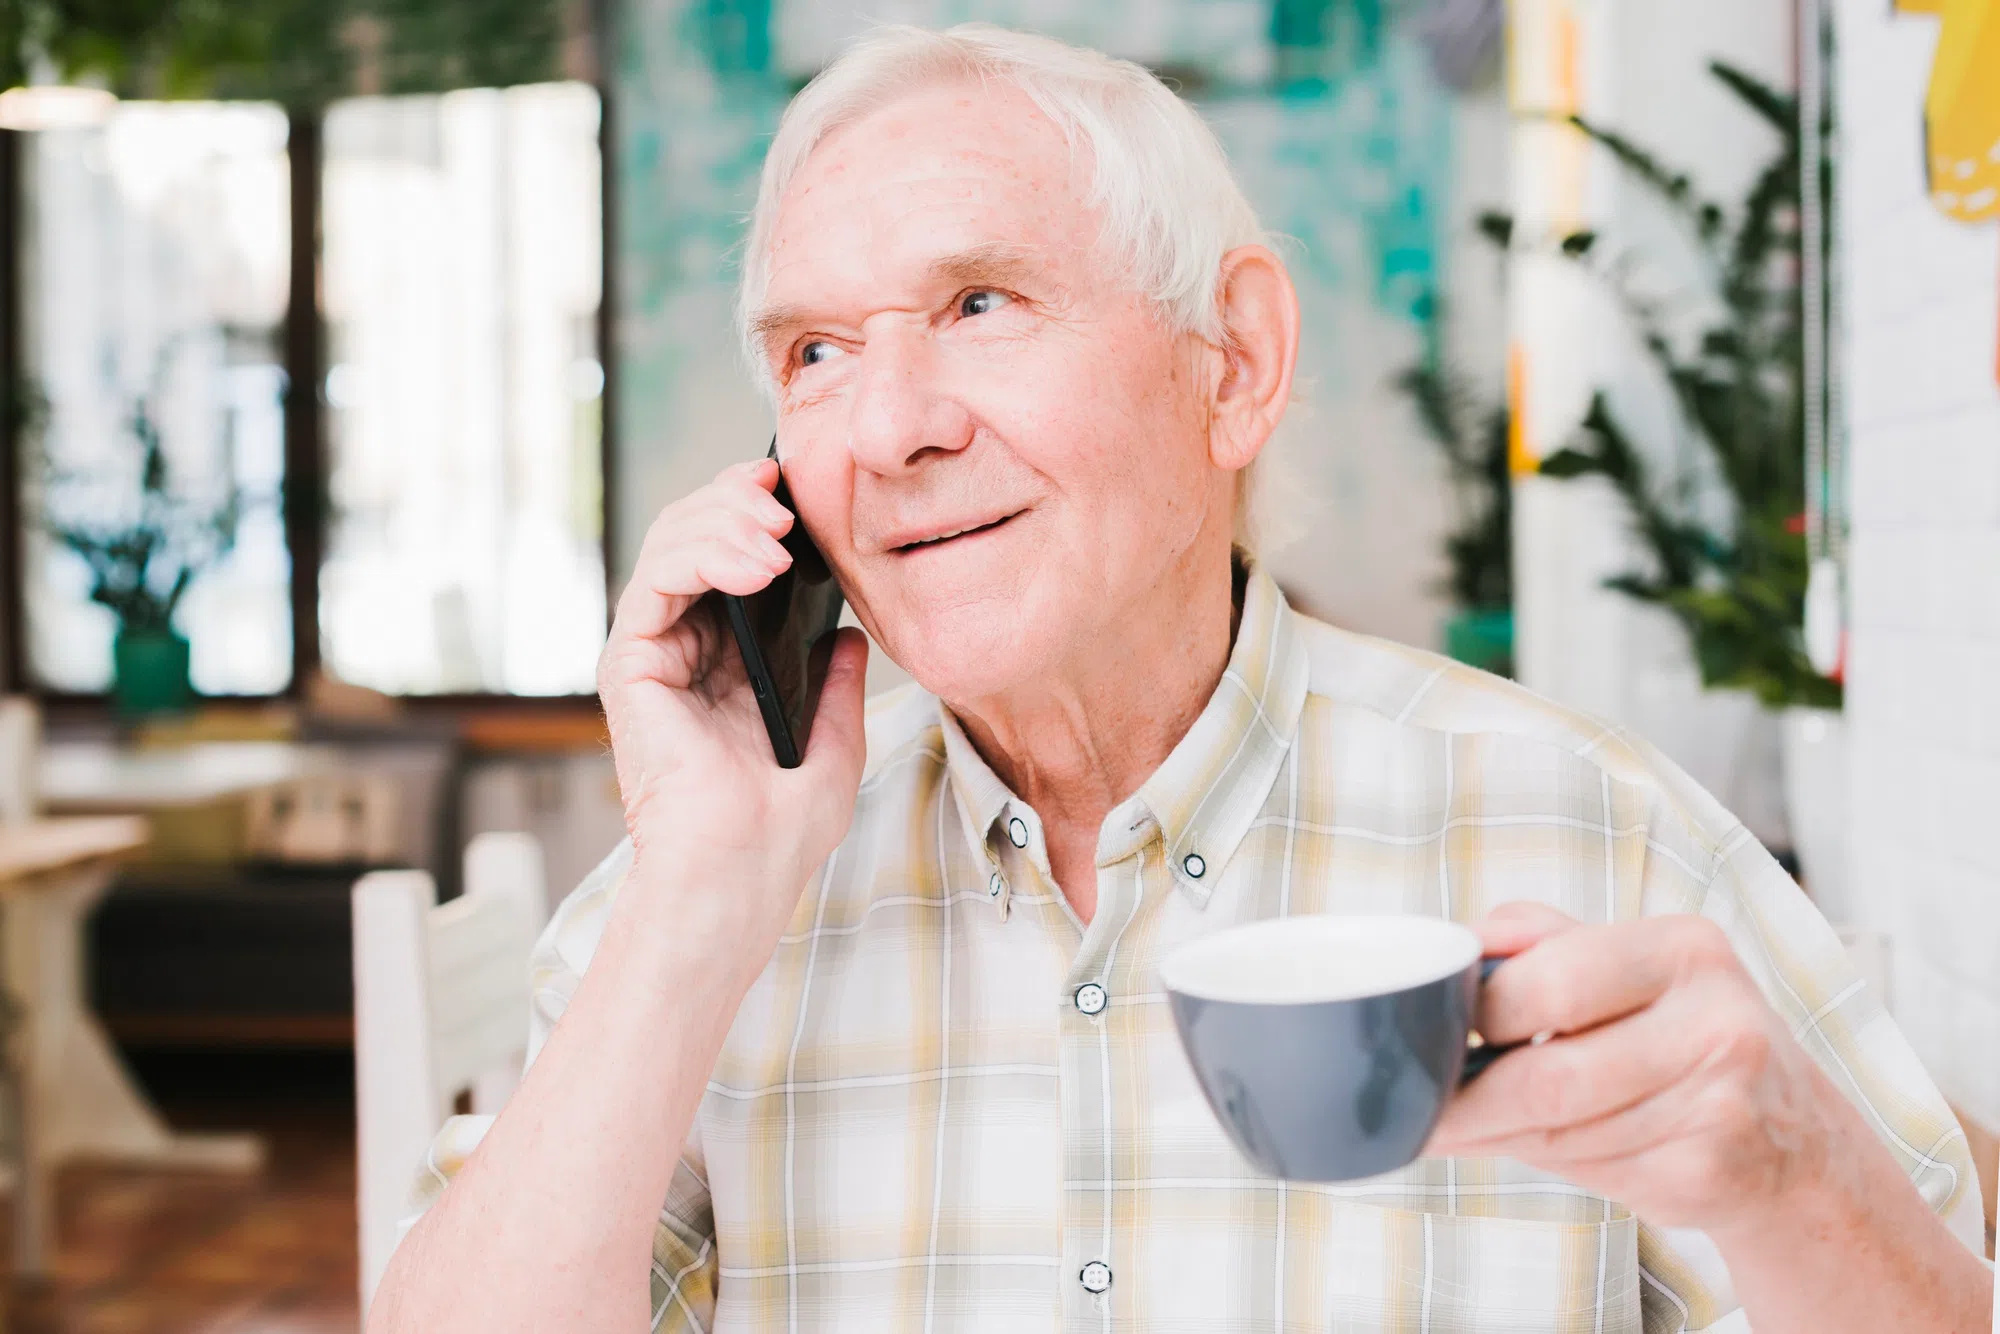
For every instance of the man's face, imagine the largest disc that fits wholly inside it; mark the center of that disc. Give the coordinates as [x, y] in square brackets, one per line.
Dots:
[993, 438]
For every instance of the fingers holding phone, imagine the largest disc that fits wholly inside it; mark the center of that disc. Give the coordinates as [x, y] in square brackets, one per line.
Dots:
[783, 632]
[724, 536]
[695, 760]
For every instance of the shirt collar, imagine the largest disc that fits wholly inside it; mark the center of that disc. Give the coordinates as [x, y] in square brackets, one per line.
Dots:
[1204, 797]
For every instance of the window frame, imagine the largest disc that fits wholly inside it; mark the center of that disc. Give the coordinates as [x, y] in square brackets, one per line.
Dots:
[303, 342]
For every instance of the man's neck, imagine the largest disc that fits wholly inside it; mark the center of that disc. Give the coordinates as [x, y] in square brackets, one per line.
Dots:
[1077, 743]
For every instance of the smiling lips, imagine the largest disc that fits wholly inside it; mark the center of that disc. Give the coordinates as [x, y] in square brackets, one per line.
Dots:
[942, 536]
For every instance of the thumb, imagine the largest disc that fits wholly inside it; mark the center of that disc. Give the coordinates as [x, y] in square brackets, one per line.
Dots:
[837, 750]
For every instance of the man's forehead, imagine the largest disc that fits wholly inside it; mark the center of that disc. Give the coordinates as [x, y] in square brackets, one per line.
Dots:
[911, 190]
[990, 131]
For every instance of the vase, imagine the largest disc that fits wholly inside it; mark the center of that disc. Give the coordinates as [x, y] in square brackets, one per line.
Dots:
[1482, 638]
[150, 673]
[1815, 750]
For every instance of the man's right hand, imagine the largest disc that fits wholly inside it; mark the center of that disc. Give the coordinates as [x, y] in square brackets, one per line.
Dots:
[550, 1223]
[716, 825]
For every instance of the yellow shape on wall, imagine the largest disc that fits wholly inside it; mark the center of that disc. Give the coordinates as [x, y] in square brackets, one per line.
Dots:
[1962, 110]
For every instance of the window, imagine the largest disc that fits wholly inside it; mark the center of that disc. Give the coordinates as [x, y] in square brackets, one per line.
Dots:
[154, 267]
[453, 471]
[462, 252]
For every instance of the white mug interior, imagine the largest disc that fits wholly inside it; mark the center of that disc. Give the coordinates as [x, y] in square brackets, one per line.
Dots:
[1313, 959]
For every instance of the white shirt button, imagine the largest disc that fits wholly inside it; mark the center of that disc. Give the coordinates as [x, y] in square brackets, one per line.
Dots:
[1194, 865]
[996, 885]
[1091, 998]
[1095, 1277]
[1017, 832]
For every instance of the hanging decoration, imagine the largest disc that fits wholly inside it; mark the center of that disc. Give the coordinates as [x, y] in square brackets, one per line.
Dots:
[1824, 628]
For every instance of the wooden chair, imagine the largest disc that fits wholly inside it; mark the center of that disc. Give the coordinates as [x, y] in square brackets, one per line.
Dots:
[440, 1009]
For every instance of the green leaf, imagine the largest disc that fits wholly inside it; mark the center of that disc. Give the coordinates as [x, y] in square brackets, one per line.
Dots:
[1780, 110]
[1571, 462]
[1675, 188]
[1637, 587]
[1496, 227]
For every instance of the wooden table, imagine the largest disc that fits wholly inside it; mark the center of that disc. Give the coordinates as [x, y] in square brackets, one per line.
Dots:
[78, 1101]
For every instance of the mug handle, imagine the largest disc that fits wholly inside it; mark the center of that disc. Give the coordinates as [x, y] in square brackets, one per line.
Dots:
[1481, 1054]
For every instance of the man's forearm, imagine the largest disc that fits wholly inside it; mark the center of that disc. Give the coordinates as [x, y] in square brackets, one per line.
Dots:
[550, 1224]
[1857, 1249]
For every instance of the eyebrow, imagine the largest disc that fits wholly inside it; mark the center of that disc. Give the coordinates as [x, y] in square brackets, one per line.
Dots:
[990, 264]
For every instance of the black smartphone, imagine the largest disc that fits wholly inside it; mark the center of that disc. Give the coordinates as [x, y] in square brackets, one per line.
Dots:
[785, 634]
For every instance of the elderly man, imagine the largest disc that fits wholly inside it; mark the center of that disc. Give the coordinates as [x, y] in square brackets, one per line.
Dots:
[878, 1043]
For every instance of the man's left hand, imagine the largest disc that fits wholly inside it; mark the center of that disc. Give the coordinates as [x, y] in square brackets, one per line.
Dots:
[1659, 1075]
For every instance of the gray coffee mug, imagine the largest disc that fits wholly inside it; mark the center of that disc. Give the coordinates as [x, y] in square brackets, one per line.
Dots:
[1328, 1046]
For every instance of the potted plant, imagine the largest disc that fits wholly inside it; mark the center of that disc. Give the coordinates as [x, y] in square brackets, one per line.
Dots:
[1479, 550]
[1724, 534]
[144, 548]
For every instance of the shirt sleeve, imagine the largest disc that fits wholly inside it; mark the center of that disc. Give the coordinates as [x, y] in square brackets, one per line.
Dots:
[1804, 971]
[684, 1265]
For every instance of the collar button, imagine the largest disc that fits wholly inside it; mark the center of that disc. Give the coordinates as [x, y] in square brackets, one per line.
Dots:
[1017, 832]
[1194, 865]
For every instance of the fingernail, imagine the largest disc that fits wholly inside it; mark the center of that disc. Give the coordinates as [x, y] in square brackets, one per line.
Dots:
[773, 551]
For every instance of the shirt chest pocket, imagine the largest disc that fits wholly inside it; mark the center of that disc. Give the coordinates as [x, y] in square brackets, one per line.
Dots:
[1401, 1269]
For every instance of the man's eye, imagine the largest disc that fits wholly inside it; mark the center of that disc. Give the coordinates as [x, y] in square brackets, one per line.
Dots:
[978, 303]
[813, 353]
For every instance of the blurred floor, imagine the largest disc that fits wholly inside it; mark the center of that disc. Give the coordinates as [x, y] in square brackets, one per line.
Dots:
[201, 1253]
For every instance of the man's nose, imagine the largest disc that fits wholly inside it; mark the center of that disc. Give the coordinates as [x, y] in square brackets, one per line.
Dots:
[901, 411]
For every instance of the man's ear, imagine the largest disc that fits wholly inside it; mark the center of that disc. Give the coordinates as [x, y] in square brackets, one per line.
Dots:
[1260, 320]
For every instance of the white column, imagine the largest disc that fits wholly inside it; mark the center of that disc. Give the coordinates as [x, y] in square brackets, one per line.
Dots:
[1568, 537]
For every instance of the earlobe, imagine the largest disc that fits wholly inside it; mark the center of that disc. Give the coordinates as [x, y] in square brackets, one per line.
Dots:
[1260, 318]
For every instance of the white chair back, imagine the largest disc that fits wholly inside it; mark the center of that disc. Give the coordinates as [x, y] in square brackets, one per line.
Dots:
[440, 1008]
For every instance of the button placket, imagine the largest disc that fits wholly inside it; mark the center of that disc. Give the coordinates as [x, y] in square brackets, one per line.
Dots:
[999, 887]
[1094, 1069]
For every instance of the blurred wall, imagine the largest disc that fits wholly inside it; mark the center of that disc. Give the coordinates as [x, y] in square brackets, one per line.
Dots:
[1341, 136]
[1923, 701]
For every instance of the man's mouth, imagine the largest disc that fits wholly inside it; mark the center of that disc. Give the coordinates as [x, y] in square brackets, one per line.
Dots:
[954, 534]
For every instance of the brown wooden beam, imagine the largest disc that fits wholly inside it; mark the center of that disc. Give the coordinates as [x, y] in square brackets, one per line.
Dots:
[603, 15]
[13, 542]
[305, 368]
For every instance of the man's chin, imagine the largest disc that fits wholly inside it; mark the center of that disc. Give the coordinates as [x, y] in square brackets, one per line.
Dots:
[956, 660]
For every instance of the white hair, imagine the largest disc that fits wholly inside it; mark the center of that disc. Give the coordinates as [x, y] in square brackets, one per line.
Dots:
[1170, 203]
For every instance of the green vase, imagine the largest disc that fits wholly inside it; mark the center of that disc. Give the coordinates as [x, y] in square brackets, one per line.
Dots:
[1482, 639]
[150, 672]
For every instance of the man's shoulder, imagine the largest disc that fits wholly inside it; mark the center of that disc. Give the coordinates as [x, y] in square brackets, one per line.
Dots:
[1400, 686]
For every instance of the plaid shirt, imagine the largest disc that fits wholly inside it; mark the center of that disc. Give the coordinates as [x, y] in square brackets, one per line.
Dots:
[913, 1124]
